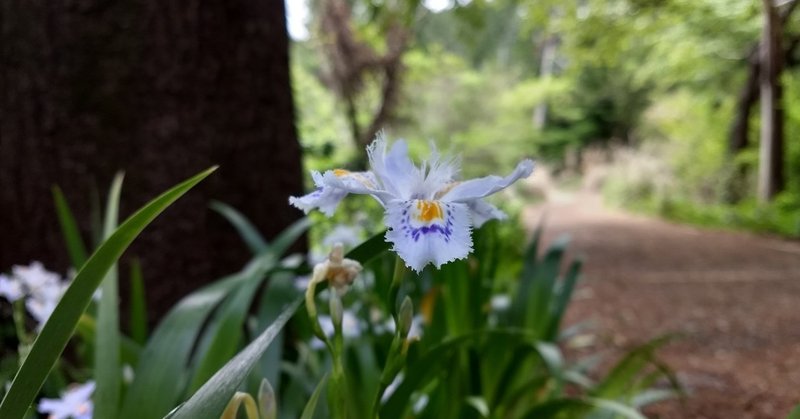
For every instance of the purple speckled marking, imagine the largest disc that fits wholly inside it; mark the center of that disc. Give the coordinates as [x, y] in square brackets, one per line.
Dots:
[415, 233]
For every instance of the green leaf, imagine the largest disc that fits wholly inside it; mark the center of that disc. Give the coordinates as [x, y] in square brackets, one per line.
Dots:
[562, 299]
[421, 370]
[255, 242]
[160, 379]
[543, 280]
[278, 290]
[370, 249]
[479, 404]
[578, 407]
[159, 386]
[56, 332]
[129, 350]
[213, 396]
[288, 236]
[622, 377]
[107, 343]
[311, 406]
[69, 229]
[138, 304]
[224, 332]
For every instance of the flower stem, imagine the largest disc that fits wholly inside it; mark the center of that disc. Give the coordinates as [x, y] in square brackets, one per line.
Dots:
[394, 288]
[338, 389]
[395, 357]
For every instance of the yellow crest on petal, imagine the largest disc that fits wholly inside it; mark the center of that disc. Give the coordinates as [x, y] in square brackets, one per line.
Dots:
[428, 211]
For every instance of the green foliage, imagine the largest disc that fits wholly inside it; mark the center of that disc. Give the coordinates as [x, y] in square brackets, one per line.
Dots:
[205, 327]
[56, 332]
[107, 367]
[210, 400]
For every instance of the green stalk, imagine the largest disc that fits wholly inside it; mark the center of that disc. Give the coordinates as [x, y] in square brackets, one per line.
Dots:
[395, 357]
[24, 338]
[394, 288]
[338, 391]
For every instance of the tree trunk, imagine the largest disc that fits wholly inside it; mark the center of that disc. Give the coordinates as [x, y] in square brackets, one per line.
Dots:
[547, 68]
[738, 138]
[160, 90]
[770, 173]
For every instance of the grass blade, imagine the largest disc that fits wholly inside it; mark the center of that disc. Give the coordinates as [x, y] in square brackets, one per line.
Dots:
[224, 333]
[562, 299]
[69, 229]
[213, 396]
[138, 304]
[311, 406]
[621, 377]
[288, 236]
[129, 350]
[158, 386]
[255, 242]
[58, 329]
[107, 342]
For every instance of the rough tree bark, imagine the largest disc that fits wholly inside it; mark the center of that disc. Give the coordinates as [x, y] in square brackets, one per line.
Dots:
[160, 90]
[770, 171]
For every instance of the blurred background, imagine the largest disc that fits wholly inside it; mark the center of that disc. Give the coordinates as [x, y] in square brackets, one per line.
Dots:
[636, 111]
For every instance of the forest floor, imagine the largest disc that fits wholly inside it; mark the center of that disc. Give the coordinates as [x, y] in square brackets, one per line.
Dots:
[733, 299]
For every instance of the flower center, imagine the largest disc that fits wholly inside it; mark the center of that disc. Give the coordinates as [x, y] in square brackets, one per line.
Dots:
[340, 172]
[428, 211]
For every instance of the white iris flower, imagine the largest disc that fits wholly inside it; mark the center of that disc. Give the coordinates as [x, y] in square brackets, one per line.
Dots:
[40, 288]
[429, 213]
[75, 403]
[10, 288]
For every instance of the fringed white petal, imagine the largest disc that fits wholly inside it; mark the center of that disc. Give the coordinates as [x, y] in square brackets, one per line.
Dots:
[485, 186]
[334, 185]
[393, 167]
[482, 211]
[325, 197]
[425, 232]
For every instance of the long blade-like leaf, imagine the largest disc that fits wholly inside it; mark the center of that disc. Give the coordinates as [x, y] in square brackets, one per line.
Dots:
[246, 229]
[213, 396]
[69, 229]
[56, 332]
[161, 377]
[311, 406]
[224, 333]
[138, 304]
[106, 354]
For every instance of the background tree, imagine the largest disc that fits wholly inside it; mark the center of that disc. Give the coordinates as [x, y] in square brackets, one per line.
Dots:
[160, 90]
[770, 172]
[352, 61]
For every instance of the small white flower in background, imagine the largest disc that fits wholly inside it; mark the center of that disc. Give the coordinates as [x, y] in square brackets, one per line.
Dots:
[429, 213]
[75, 403]
[10, 288]
[41, 289]
[349, 236]
[352, 327]
[38, 281]
[40, 309]
[500, 302]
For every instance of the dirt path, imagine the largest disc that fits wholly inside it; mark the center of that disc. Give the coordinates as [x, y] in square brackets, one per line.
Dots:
[734, 297]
